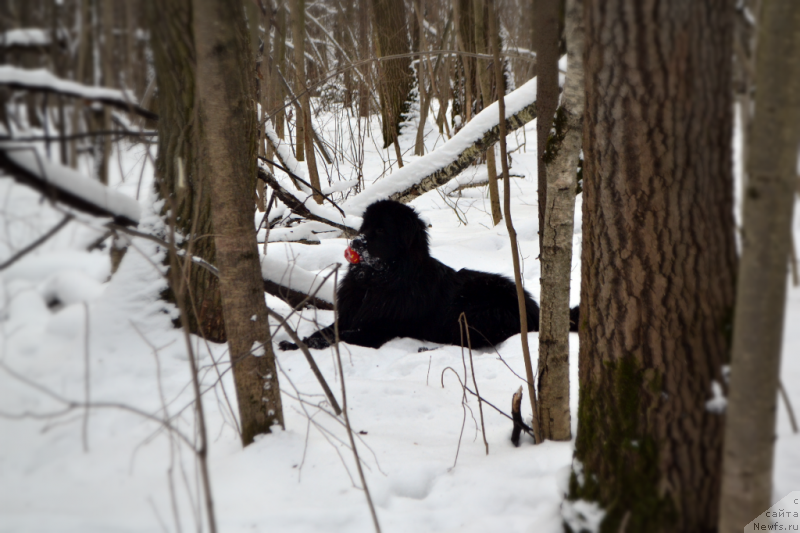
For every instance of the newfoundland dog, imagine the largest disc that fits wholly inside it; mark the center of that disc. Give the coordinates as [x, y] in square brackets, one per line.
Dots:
[394, 288]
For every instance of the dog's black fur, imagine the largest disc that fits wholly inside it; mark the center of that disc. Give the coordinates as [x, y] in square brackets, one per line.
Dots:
[399, 290]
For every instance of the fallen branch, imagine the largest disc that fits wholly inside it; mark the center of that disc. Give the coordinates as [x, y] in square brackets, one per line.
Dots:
[66, 185]
[446, 162]
[297, 206]
[42, 80]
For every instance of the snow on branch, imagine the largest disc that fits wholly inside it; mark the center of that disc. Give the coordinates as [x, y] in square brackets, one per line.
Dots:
[295, 285]
[25, 38]
[299, 203]
[443, 164]
[66, 185]
[43, 80]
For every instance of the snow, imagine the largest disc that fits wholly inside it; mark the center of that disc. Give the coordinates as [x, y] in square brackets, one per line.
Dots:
[296, 278]
[44, 79]
[69, 180]
[65, 319]
[25, 37]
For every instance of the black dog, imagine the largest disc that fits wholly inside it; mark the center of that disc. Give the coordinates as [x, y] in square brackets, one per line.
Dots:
[394, 288]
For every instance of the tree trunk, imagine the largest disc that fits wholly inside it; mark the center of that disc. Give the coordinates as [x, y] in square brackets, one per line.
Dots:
[556, 246]
[761, 291]
[658, 262]
[545, 34]
[279, 68]
[227, 121]
[174, 55]
[486, 93]
[397, 79]
[363, 53]
[298, 8]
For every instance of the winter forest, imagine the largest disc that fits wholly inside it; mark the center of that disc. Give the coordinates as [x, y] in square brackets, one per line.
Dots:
[399, 265]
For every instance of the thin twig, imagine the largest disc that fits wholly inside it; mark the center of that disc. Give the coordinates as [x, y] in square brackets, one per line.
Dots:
[347, 418]
[38, 242]
[311, 362]
[789, 409]
[462, 319]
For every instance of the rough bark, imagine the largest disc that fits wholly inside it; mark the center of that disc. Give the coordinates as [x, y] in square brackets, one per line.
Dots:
[227, 121]
[658, 262]
[556, 246]
[545, 35]
[397, 78]
[761, 291]
[172, 43]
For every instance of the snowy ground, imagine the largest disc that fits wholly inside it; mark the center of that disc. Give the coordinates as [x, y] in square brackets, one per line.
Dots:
[111, 469]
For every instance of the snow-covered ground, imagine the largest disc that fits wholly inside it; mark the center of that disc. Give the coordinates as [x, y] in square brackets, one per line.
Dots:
[65, 469]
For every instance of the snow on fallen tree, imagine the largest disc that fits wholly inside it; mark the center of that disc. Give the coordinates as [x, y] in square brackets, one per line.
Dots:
[44, 81]
[443, 164]
[295, 285]
[66, 185]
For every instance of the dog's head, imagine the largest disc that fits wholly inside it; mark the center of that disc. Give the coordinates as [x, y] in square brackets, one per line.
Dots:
[390, 232]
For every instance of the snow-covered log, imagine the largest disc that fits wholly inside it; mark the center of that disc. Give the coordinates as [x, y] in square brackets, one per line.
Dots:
[44, 81]
[444, 163]
[66, 185]
[295, 285]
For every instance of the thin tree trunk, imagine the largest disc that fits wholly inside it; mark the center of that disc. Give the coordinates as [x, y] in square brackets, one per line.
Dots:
[545, 21]
[658, 263]
[279, 67]
[227, 121]
[486, 92]
[172, 42]
[391, 32]
[512, 234]
[298, 12]
[556, 246]
[363, 53]
[761, 291]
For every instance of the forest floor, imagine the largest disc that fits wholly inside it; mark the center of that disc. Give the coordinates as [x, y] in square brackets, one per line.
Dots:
[63, 320]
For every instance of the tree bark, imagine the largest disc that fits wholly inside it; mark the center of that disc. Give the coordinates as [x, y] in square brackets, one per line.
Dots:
[545, 36]
[397, 78]
[485, 78]
[227, 121]
[279, 67]
[658, 262]
[172, 42]
[556, 246]
[298, 12]
[761, 291]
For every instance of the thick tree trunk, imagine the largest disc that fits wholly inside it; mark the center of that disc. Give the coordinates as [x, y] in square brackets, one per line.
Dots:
[658, 262]
[556, 246]
[761, 291]
[545, 33]
[397, 78]
[227, 122]
[174, 57]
